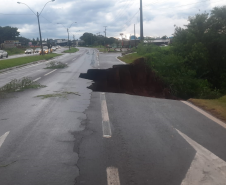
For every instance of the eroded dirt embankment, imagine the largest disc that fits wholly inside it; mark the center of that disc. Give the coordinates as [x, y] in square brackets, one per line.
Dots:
[135, 79]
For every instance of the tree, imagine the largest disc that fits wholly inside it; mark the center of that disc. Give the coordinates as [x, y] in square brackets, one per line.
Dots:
[91, 39]
[34, 42]
[24, 41]
[8, 33]
[202, 44]
[164, 37]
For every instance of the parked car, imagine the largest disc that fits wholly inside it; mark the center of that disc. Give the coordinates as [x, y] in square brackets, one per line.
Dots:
[29, 51]
[37, 50]
[3, 54]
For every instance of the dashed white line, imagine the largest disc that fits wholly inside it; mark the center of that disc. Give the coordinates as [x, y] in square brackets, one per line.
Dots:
[105, 118]
[113, 176]
[37, 79]
[205, 114]
[50, 72]
[3, 137]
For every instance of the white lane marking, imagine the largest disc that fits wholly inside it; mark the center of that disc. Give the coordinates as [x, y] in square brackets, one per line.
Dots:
[205, 114]
[37, 79]
[105, 118]
[3, 137]
[50, 72]
[113, 176]
[206, 168]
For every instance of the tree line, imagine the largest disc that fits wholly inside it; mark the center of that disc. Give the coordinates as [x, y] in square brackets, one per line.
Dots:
[195, 63]
[92, 39]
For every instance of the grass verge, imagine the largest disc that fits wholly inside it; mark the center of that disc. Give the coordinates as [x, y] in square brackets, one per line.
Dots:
[15, 51]
[72, 50]
[24, 60]
[129, 58]
[217, 107]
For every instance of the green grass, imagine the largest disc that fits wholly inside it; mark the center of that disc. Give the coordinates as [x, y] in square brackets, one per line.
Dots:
[72, 50]
[215, 106]
[58, 94]
[130, 58]
[19, 85]
[24, 60]
[14, 51]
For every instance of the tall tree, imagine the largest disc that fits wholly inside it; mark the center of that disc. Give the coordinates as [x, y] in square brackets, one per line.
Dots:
[8, 33]
[202, 43]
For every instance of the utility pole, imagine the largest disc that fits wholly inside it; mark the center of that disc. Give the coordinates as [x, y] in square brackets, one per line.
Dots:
[38, 15]
[40, 33]
[68, 39]
[141, 22]
[105, 38]
[135, 35]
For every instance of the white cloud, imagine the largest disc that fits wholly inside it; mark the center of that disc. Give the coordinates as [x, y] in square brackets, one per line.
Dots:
[119, 15]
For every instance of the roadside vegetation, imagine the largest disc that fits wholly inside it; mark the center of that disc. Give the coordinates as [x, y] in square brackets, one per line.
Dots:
[20, 85]
[58, 94]
[194, 65]
[72, 50]
[25, 60]
[15, 51]
[56, 65]
[130, 57]
[215, 106]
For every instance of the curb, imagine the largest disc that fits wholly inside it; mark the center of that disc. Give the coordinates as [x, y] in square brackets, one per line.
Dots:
[120, 60]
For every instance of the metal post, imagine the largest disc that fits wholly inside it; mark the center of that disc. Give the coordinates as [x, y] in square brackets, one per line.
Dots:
[135, 35]
[141, 22]
[68, 38]
[105, 39]
[40, 33]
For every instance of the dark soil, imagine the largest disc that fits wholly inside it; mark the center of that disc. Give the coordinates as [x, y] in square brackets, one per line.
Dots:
[135, 79]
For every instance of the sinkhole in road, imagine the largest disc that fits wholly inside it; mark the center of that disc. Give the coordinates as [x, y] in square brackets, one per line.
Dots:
[134, 79]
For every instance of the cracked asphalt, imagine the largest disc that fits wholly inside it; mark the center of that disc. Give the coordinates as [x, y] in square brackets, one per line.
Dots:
[61, 140]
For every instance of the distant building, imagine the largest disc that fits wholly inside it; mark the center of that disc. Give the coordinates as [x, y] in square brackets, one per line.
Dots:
[132, 37]
[11, 43]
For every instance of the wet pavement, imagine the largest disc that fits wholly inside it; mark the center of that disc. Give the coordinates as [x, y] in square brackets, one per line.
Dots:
[96, 138]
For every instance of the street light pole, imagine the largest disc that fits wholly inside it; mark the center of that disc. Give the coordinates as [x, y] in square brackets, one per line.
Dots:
[40, 34]
[68, 39]
[67, 33]
[38, 15]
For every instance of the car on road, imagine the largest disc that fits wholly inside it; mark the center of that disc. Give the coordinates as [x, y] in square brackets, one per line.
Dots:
[53, 49]
[37, 50]
[3, 54]
[45, 50]
[29, 51]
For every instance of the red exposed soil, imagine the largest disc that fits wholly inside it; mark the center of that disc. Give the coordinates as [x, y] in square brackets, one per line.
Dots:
[135, 79]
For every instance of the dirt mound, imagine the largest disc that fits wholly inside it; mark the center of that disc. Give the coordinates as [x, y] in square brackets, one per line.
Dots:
[135, 79]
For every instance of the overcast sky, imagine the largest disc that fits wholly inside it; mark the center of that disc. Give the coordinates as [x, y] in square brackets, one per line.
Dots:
[160, 16]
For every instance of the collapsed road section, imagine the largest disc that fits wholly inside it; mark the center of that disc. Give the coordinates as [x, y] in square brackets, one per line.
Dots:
[135, 79]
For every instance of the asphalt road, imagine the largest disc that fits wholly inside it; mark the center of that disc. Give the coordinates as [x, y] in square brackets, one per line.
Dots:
[103, 138]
